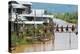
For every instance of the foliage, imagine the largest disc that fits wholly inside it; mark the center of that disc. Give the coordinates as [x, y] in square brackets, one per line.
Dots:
[69, 17]
[29, 34]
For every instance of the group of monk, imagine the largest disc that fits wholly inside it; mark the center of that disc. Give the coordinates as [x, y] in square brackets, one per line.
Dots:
[66, 28]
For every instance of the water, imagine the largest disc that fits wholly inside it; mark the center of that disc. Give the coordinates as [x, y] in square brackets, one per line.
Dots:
[40, 47]
[63, 41]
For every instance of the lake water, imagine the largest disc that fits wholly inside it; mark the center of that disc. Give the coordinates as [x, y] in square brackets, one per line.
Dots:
[63, 41]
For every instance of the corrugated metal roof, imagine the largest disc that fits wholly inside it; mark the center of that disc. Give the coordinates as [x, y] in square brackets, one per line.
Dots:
[24, 2]
[31, 22]
[18, 6]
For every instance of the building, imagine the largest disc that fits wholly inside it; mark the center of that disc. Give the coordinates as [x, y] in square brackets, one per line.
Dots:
[18, 8]
[21, 13]
[37, 16]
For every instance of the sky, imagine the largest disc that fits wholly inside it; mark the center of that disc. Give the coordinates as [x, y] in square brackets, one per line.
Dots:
[59, 8]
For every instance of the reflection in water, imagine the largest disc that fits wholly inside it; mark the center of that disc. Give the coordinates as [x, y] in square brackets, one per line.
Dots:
[61, 42]
[47, 46]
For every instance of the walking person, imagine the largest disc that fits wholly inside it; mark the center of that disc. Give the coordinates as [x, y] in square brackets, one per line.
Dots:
[57, 28]
[67, 28]
[73, 28]
[61, 28]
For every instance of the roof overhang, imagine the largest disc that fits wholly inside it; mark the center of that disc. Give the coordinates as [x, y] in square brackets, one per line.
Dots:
[25, 2]
[18, 6]
[31, 22]
[32, 15]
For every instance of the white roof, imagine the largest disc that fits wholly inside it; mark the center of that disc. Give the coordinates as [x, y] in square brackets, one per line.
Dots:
[31, 22]
[18, 6]
[36, 13]
[24, 2]
[29, 15]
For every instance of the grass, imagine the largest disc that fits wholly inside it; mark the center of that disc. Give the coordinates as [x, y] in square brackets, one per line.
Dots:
[28, 36]
[17, 41]
[68, 17]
